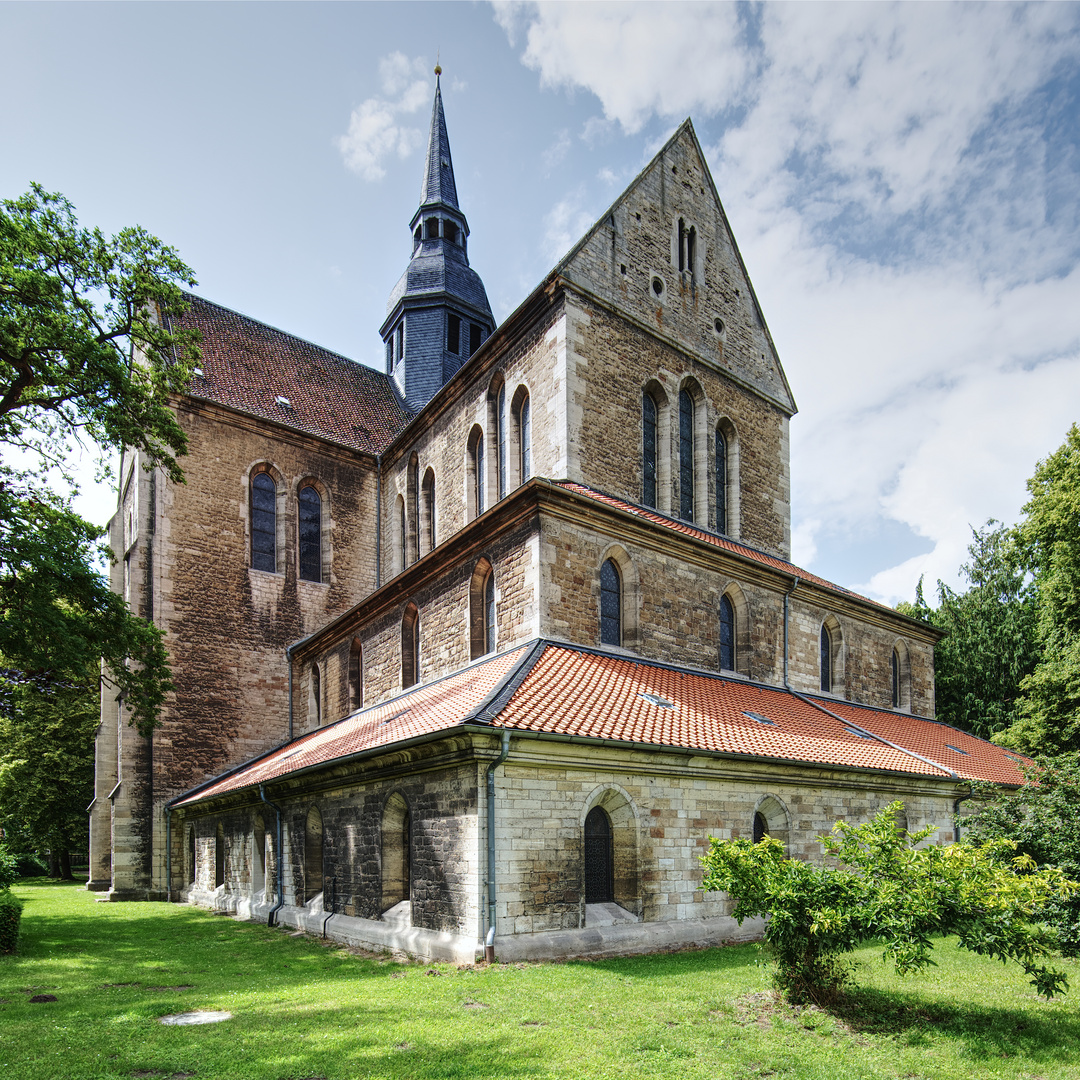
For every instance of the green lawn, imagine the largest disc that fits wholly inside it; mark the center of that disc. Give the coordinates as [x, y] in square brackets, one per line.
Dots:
[302, 1009]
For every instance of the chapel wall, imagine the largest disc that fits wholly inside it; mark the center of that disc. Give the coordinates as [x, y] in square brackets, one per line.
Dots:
[611, 363]
[668, 815]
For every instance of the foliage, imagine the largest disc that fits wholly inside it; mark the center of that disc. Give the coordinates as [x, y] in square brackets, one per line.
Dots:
[47, 728]
[989, 646]
[9, 869]
[1049, 536]
[887, 887]
[10, 915]
[1043, 819]
[88, 350]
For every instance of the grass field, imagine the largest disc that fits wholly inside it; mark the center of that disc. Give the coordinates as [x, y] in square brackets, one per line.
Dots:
[304, 1009]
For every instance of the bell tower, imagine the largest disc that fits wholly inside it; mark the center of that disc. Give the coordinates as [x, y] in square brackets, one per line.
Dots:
[438, 314]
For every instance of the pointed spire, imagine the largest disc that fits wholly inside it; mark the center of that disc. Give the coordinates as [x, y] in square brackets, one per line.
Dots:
[438, 184]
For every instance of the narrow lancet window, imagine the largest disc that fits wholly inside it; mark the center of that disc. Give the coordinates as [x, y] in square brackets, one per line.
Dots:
[525, 430]
[263, 522]
[727, 634]
[410, 647]
[648, 450]
[610, 604]
[721, 482]
[310, 534]
[686, 456]
[826, 660]
[501, 437]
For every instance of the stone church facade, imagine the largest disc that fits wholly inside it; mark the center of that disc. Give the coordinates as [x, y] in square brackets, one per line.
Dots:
[480, 649]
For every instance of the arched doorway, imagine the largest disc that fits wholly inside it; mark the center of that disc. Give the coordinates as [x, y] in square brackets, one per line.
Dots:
[599, 860]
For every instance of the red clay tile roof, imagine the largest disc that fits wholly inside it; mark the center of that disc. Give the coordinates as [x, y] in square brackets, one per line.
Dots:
[248, 365]
[425, 710]
[568, 690]
[675, 525]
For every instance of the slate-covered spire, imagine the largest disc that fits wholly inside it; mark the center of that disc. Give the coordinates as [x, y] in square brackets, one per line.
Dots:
[438, 186]
[438, 314]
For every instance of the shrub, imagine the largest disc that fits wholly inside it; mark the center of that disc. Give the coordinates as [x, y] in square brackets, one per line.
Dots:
[29, 865]
[887, 888]
[10, 914]
[9, 869]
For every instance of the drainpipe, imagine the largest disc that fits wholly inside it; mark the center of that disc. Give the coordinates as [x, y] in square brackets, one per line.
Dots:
[333, 903]
[168, 854]
[787, 597]
[378, 520]
[279, 861]
[489, 941]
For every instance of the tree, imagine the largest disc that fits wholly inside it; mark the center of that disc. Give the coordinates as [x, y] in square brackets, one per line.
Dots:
[47, 727]
[1049, 537]
[887, 887]
[1042, 819]
[989, 647]
[88, 351]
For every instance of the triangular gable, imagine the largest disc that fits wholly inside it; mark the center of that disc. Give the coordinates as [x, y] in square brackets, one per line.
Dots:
[706, 303]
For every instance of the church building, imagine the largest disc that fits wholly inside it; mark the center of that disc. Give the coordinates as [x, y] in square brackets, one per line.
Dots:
[474, 653]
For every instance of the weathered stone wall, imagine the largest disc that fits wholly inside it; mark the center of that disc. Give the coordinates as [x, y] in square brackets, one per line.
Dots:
[611, 363]
[666, 808]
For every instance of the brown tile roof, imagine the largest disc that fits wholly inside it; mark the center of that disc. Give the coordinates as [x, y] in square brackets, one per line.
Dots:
[572, 691]
[248, 366]
[687, 529]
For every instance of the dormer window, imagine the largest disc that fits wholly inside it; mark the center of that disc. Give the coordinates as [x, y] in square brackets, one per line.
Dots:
[283, 402]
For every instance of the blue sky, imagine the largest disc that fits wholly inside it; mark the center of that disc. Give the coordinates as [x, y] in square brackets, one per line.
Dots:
[903, 181]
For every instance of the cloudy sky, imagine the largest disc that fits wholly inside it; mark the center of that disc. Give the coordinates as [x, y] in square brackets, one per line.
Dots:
[903, 181]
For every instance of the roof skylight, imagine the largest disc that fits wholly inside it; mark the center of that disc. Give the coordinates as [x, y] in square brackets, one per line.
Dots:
[759, 718]
[856, 731]
[957, 749]
[658, 701]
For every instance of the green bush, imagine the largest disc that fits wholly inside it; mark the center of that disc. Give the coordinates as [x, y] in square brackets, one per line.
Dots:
[888, 888]
[29, 865]
[9, 869]
[10, 914]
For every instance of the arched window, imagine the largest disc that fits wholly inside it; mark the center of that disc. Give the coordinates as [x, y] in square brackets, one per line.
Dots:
[356, 675]
[482, 610]
[258, 858]
[396, 829]
[315, 698]
[263, 523]
[313, 855]
[610, 604]
[721, 482]
[428, 524]
[826, 659]
[501, 433]
[648, 449]
[523, 423]
[895, 665]
[410, 646]
[192, 868]
[761, 828]
[412, 489]
[599, 858]
[727, 634]
[686, 456]
[403, 534]
[771, 819]
[310, 534]
[476, 471]
[900, 676]
[219, 856]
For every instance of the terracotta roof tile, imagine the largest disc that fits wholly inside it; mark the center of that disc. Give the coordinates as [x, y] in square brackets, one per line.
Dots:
[567, 690]
[249, 366]
[427, 709]
[687, 529]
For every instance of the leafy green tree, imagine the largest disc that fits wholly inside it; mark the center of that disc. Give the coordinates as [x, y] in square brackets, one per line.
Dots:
[1049, 537]
[88, 352]
[887, 888]
[990, 646]
[47, 728]
[1043, 819]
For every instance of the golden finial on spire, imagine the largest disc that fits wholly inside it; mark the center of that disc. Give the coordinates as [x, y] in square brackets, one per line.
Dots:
[438, 66]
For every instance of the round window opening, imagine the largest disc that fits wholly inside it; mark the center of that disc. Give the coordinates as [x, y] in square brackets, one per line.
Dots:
[718, 326]
[657, 286]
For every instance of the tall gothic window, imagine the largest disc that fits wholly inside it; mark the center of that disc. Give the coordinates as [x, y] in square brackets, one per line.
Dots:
[648, 449]
[429, 509]
[410, 647]
[610, 604]
[412, 486]
[310, 534]
[826, 660]
[315, 700]
[686, 456]
[356, 675]
[501, 433]
[727, 634]
[476, 471]
[895, 679]
[263, 522]
[482, 610]
[525, 439]
[721, 482]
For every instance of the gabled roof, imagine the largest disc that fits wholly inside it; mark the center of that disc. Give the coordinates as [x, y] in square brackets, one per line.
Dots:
[688, 529]
[563, 690]
[260, 370]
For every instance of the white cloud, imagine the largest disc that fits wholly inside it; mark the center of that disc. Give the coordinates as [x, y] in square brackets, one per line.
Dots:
[887, 169]
[555, 154]
[564, 225]
[376, 131]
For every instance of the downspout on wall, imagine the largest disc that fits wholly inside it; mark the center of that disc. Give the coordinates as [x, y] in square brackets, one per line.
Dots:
[787, 596]
[168, 854]
[279, 861]
[489, 940]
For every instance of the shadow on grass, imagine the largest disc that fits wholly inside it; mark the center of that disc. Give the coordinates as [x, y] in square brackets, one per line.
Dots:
[986, 1031]
[686, 962]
